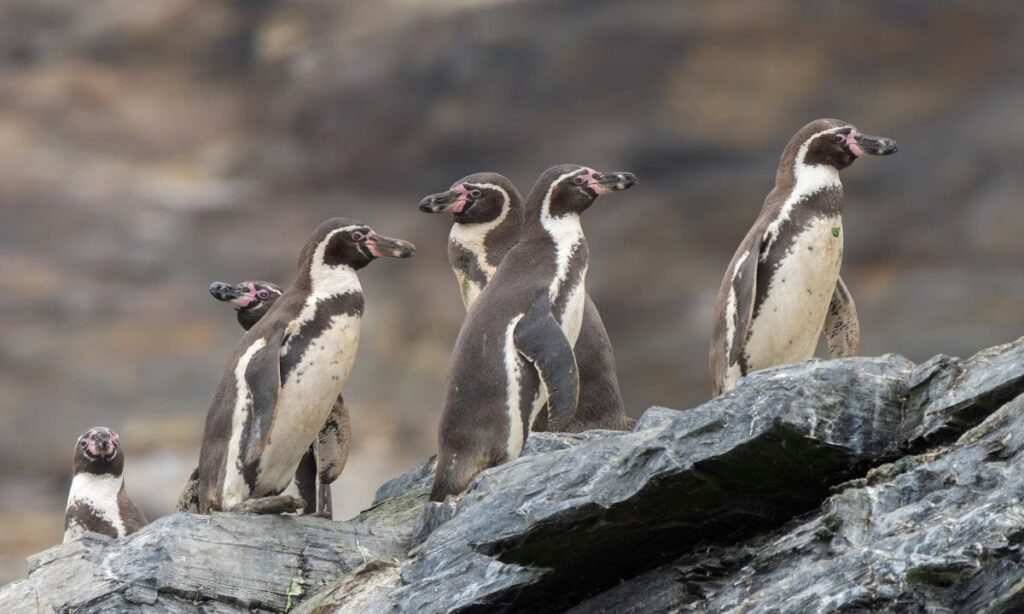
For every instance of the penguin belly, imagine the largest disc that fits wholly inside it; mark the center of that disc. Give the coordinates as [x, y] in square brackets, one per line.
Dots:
[789, 322]
[92, 506]
[305, 400]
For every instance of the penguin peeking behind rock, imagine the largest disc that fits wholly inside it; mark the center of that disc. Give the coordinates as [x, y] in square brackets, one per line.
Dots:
[97, 501]
[514, 352]
[488, 211]
[326, 458]
[782, 288]
[286, 374]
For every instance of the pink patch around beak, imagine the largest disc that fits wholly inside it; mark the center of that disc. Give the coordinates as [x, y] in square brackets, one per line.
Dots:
[851, 142]
[370, 246]
[460, 204]
[246, 299]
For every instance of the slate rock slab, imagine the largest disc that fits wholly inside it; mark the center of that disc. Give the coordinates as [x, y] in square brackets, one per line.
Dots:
[537, 533]
[228, 562]
[952, 395]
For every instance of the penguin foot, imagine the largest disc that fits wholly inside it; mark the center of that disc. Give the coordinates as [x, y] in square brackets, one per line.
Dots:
[280, 504]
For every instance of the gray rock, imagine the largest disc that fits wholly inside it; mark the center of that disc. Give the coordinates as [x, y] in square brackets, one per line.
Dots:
[419, 479]
[655, 417]
[854, 485]
[539, 532]
[952, 396]
[937, 532]
[230, 562]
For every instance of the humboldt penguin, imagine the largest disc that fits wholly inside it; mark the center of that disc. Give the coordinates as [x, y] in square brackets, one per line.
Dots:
[97, 501]
[326, 459]
[782, 288]
[488, 212]
[515, 349]
[287, 372]
[251, 299]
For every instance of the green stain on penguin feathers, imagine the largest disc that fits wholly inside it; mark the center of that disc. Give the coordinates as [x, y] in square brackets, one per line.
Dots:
[835, 231]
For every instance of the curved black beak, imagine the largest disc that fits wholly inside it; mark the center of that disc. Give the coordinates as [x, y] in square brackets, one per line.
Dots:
[224, 292]
[875, 145]
[380, 246]
[442, 202]
[615, 182]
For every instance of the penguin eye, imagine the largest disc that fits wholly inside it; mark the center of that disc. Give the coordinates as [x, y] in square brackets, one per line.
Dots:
[358, 236]
[263, 294]
[82, 443]
[475, 193]
[839, 138]
[578, 180]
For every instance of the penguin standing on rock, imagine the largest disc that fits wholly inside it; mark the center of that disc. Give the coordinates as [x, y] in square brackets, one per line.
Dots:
[488, 213]
[782, 288]
[326, 459]
[515, 349]
[287, 372]
[97, 501]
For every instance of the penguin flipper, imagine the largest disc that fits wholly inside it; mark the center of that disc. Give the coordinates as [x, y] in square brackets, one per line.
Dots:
[744, 288]
[334, 442]
[263, 378]
[541, 341]
[842, 327]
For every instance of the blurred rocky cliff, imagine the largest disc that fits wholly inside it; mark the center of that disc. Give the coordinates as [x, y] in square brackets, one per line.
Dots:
[151, 148]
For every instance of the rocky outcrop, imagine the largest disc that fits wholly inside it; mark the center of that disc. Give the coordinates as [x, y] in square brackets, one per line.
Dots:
[850, 485]
[936, 532]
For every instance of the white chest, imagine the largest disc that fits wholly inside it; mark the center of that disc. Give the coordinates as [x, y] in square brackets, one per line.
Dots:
[472, 238]
[789, 322]
[306, 398]
[99, 492]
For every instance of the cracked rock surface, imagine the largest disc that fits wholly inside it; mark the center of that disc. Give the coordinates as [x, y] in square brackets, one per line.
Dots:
[865, 484]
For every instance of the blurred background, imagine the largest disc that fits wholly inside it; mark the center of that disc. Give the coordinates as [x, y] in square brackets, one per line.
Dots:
[150, 148]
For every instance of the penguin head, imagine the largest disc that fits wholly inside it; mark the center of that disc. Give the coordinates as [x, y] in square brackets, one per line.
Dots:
[251, 299]
[98, 451]
[570, 188]
[835, 143]
[345, 242]
[476, 199]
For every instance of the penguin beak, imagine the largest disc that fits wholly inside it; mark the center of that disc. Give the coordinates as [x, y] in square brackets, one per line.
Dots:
[865, 144]
[451, 201]
[224, 292]
[101, 446]
[379, 246]
[603, 183]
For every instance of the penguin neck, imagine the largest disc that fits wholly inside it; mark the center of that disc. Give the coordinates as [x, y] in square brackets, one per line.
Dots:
[563, 230]
[248, 318]
[95, 486]
[801, 186]
[798, 180]
[489, 241]
[326, 280]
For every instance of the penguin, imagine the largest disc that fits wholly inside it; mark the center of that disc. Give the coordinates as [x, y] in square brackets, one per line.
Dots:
[488, 211]
[286, 373]
[97, 501]
[782, 288]
[514, 351]
[251, 299]
[325, 460]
